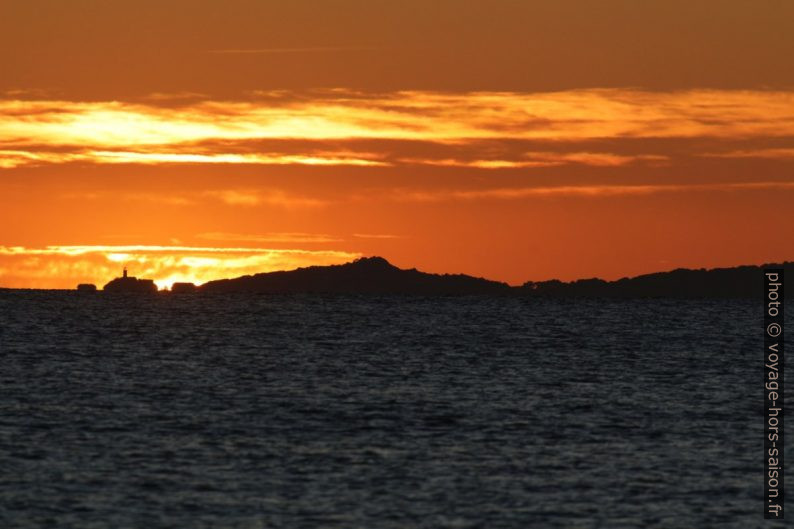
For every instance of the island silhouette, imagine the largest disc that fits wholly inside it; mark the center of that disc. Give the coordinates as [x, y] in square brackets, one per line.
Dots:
[375, 275]
[127, 283]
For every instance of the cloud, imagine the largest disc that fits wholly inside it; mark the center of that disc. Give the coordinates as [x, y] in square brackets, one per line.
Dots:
[241, 197]
[279, 51]
[15, 158]
[230, 197]
[228, 158]
[66, 266]
[772, 154]
[227, 132]
[377, 236]
[286, 237]
[594, 191]
[544, 159]
[167, 199]
[10, 158]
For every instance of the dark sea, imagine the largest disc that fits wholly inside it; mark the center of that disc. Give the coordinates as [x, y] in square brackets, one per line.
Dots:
[255, 411]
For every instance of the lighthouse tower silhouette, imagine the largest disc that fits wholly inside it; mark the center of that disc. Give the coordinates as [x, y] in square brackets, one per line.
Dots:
[125, 272]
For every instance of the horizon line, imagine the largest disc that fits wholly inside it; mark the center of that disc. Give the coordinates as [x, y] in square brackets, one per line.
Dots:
[522, 285]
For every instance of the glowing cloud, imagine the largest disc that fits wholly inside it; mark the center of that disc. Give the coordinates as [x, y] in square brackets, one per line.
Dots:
[224, 132]
[544, 159]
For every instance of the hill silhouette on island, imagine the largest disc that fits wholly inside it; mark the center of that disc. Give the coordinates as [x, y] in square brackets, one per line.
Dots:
[368, 275]
[375, 275]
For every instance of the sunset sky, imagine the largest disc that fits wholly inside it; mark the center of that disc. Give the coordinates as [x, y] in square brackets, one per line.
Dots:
[516, 140]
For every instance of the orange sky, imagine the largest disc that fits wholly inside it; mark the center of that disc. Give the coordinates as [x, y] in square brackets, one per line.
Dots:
[516, 140]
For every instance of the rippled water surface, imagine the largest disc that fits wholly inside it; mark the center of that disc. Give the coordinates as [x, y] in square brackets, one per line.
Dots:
[308, 411]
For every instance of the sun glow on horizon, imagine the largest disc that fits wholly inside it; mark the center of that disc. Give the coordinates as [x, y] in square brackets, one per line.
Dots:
[66, 266]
